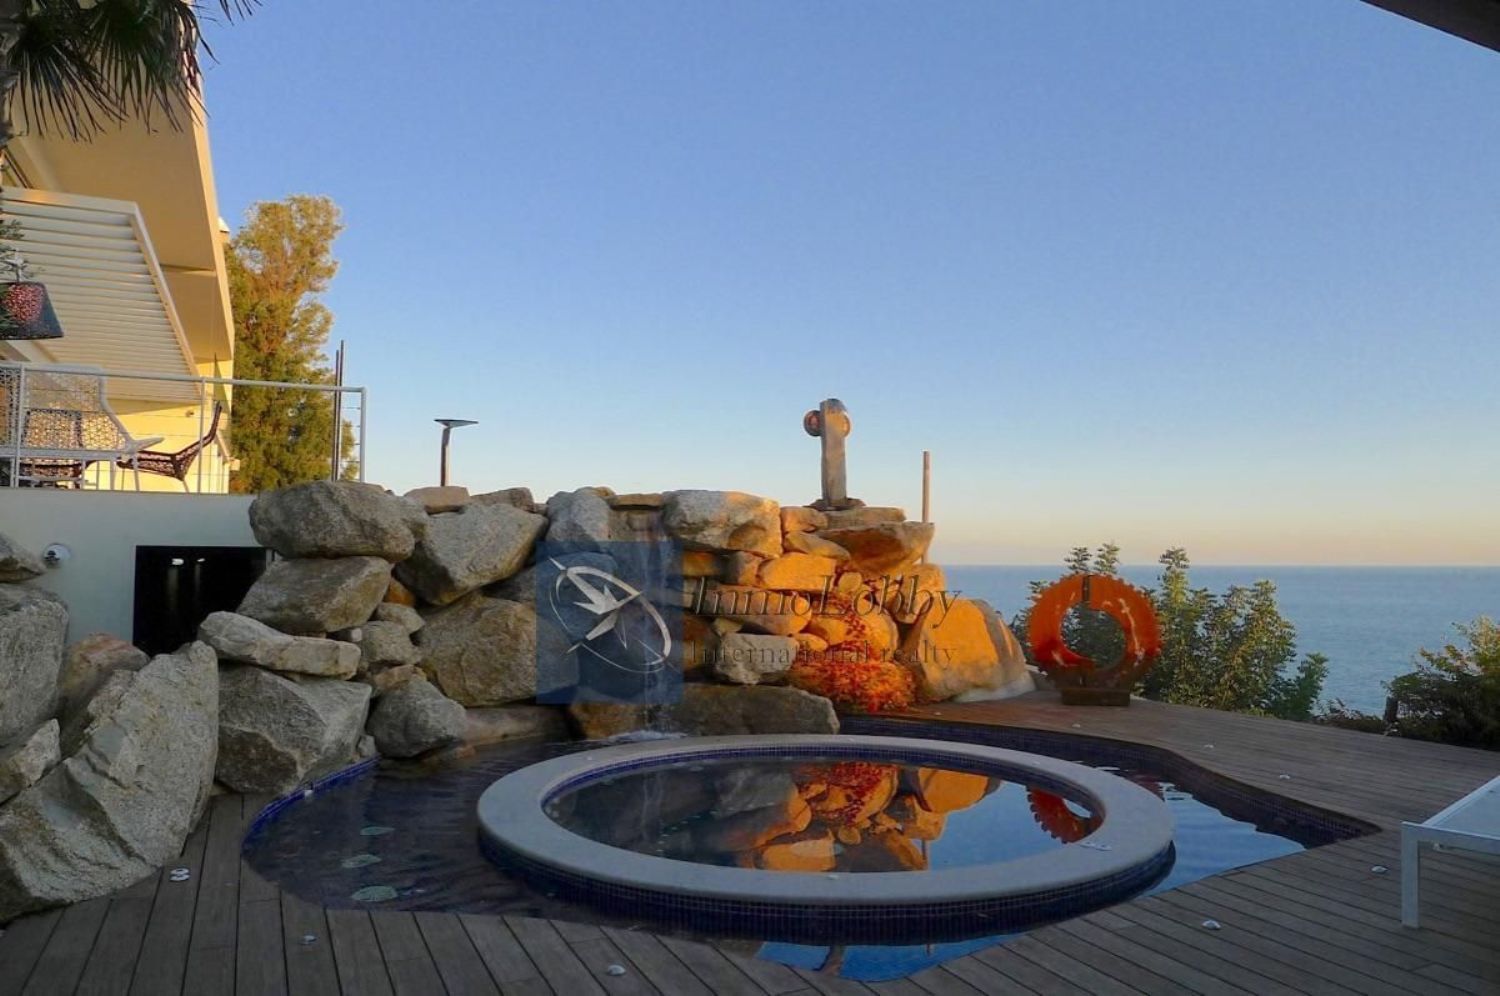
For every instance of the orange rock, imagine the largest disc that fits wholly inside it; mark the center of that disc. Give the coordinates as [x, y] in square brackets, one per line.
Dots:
[741, 568]
[916, 822]
[908, 593]
[776, 612]
[758, 827]
[798, 572]
[830, 629]
[812, 853]
[699, 643]
[698, 564]
[941, 790]
[398, 594]
[814, 544]
[809, 642]
[801, 519]
[883, 548]
[951, 652]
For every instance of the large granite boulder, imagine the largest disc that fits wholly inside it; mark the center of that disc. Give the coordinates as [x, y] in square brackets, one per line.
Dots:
[409, 618]
[386, 644]
[500, 723]
[578, 518]
[466, 550]
[415, 718]
[482, 651]
[336, 519]
[1010, 676]
[516, 497]
[722, 710]
[439, 498]
[950, 652]
[276, 734]
[723, 520]
[23, 763]
[861, 516]
[316, 596]
[521, 586]
[33, 629]
[602, 720]
[124, 803]
[882, 548]
[242, 640]
[90, 661]
[754, 658]
[18, 563]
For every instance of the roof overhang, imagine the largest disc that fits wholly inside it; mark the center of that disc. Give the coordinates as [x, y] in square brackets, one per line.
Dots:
[107, 285]
[1477, 21]
[168, 174]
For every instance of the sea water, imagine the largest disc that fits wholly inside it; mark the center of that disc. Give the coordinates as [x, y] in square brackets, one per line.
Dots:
[1368, 621]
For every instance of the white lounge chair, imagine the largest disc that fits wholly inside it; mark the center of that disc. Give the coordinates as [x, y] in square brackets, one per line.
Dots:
[1470, 824]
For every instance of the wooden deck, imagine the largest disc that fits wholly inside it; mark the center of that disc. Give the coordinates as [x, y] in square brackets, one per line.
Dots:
[1316, 922]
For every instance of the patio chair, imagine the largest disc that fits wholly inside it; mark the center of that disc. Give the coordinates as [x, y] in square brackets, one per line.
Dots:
[176, 464]
[57, 421]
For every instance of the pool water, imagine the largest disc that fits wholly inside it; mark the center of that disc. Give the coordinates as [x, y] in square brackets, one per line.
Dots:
[400, 837]
[815, 814]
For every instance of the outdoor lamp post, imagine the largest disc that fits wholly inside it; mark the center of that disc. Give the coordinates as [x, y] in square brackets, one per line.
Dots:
[448, 424]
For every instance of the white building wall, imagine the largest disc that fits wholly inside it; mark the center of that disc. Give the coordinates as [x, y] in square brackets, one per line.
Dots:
[102, 530]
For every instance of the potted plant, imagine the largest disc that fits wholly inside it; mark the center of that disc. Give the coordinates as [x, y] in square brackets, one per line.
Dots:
[25, 307]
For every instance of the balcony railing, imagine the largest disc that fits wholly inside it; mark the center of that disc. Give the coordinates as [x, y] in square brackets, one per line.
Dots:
[67, 426]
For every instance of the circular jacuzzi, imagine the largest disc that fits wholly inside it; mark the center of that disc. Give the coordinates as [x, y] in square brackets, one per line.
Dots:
[828, 839]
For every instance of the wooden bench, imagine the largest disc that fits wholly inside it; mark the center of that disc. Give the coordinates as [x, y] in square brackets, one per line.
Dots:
[1470, 824]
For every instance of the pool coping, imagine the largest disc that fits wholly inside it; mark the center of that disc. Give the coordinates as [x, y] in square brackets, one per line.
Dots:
[1135, 835]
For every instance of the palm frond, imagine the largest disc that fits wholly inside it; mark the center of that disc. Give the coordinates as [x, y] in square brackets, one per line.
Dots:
[82, 67]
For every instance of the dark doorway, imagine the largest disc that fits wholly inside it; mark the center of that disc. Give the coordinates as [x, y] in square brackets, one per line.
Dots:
[177, 586]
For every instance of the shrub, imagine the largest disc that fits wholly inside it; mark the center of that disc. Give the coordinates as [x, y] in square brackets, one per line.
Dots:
[1233, 651]
[1453, 696]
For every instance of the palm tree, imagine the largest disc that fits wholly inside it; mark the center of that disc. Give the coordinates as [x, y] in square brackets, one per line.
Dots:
[82, 64]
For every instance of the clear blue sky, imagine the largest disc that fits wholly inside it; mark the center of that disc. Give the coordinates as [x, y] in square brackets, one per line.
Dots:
[1221, 274]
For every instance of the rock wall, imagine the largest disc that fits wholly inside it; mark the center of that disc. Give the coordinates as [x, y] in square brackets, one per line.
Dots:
[782, 606]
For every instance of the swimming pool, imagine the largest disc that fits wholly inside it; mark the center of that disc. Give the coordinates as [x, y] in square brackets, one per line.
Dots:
[395, 837]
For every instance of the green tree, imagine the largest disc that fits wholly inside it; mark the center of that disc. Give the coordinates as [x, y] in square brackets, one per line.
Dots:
[1233, 651]
[78, 65]
[279, 263]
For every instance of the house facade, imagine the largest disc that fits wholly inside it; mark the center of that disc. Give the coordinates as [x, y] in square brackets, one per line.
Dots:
[124, 231]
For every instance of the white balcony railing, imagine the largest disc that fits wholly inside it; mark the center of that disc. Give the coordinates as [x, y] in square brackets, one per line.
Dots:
[83, 427]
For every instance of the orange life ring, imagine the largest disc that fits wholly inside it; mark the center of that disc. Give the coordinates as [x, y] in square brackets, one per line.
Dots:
[1053, 815]
[1127, 605]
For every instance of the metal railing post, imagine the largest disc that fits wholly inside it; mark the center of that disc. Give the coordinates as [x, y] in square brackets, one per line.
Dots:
[19, 429]
[203, 453]
[362, 399]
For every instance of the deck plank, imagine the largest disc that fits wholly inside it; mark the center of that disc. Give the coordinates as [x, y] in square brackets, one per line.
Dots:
[357, 955]
[458, 962]
[162, 963]
[553, 957]
[310, 966]
[502, 954]
[21, 946]
[57, 971]
[111, 962]
[664, 969]
[211, 953]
